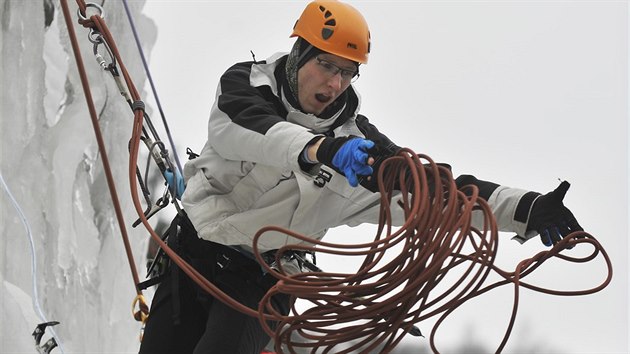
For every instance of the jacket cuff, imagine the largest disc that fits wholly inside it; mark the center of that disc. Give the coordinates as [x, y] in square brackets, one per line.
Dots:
[306, 164]
[511, 208]
[521, 216]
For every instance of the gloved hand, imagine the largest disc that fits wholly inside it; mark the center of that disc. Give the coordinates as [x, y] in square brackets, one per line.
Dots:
[551, 218]
[347, 155]
[380, 153]
[168, 174]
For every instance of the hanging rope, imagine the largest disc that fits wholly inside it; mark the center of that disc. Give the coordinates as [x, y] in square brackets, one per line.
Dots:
[380, 303]
[97, 23]
[144, 309]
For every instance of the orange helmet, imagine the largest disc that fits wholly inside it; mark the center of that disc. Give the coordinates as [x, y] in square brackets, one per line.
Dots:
[336, 28]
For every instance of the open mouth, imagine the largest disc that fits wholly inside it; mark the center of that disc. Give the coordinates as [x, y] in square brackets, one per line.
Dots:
[322, 98]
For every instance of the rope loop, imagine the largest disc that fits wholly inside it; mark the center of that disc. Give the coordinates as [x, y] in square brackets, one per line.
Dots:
[82, 13]
[403, 278]
[142, 314]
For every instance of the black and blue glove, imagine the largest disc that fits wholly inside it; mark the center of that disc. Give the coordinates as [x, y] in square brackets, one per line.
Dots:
[550, 218]
[178, 183]
[347, 155]
[379, 152]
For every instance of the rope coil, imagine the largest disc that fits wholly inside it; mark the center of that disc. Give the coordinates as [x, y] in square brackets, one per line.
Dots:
[403, 278]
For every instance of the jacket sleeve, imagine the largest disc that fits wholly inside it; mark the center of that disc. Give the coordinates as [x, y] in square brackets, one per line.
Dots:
[248, 123]
[370, 132]
[511, 206]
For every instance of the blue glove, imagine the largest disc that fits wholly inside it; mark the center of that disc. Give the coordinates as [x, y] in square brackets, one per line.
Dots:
[168, 174]
[550, 218]
[347, 155]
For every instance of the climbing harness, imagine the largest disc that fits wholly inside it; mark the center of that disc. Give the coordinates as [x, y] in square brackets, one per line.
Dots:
[380, 303]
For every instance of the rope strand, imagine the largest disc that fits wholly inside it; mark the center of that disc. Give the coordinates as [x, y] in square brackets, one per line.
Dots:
[153, 89]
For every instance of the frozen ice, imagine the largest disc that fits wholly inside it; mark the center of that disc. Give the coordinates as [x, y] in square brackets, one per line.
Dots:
[53, 170]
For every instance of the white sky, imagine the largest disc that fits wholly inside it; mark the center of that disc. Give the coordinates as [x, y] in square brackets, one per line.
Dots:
[517, 92]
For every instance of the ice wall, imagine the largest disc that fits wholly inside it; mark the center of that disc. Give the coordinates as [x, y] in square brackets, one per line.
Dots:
[51, 165]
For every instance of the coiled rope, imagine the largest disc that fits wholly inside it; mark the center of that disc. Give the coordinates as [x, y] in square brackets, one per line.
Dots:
[403, 278]
[376, 306]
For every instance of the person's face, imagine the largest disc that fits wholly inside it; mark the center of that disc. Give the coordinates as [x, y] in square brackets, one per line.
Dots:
[322, 79]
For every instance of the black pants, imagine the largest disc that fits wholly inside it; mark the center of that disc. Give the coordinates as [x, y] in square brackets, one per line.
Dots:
[184, 319]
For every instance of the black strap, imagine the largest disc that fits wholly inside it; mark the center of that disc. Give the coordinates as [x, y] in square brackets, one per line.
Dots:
[152, 281]
[173, 243]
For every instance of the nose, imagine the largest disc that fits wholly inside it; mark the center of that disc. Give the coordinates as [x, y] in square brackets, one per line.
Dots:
[336, 81]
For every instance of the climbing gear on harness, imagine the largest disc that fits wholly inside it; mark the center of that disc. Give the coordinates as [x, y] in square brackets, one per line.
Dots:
[336, 28]
[176, 184]
[38, 333]
[291, 261]
[151, 83]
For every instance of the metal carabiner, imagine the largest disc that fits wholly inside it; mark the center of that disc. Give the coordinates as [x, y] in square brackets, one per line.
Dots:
[99, 8]
[95, 37]
[100, 59]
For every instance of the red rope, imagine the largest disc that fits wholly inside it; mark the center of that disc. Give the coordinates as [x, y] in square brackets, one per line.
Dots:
[376, 306]
[144, 309]
[96, 22]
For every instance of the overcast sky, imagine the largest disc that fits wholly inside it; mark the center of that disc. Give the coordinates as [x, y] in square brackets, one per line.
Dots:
[521, 93]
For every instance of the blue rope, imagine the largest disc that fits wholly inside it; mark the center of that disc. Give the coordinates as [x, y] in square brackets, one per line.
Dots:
[36, 306]
[146, 69]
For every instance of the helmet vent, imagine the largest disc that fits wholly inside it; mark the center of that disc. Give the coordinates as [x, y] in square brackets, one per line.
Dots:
[326, 33]
[327, 13]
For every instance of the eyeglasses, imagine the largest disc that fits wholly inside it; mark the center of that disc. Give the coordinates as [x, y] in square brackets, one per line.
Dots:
[332, 70]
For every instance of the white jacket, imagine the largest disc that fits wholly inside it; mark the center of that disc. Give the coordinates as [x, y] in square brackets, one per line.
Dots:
[248, 175]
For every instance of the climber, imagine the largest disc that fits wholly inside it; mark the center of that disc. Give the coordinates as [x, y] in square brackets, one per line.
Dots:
[287, 146]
